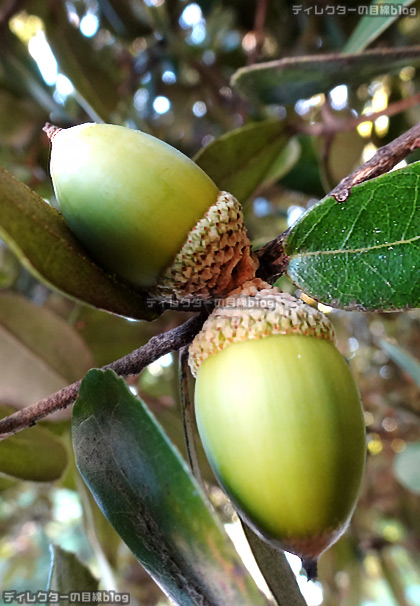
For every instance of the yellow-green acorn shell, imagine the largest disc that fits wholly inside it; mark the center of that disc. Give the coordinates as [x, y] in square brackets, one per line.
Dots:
[280, 418]
[148, 213]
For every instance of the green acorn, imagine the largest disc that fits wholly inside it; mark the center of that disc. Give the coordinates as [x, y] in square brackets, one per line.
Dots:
[148, 213]
[280, 418]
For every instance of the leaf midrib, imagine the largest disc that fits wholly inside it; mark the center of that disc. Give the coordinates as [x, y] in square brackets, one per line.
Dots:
[355, 250]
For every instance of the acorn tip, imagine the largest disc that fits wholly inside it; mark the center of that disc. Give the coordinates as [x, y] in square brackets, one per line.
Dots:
[310, 565]
[51, 130]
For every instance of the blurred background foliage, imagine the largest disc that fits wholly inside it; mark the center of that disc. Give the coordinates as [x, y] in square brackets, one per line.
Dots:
[165, 67]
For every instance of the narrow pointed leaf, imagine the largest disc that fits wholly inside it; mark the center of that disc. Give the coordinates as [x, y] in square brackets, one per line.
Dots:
[364, 253]
[144, 489]
[69, 576]
[39, 236]
[293, 78]
[243, 159]
[34, 454]
[408, 363]
[370, 27]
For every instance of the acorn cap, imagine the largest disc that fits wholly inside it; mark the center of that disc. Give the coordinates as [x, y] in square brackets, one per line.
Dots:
[215, 258]
[255, 314]
[130, 198]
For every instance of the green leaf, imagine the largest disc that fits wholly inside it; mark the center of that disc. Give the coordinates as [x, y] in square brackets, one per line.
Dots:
[371, 27]
[407, 467]
[287, 80]
[33, 454]
[243, 159]
[364, 253]
[68, 575]
[39, 346]
[144, 489]
[405, 361]
[276, 571]
[41, 239]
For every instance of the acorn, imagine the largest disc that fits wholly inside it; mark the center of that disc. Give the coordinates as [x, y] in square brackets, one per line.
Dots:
[280, 418]
[147, 213]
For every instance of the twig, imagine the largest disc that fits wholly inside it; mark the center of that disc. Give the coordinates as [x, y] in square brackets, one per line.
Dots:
[272, 257]
[334, 126]
[187, 408]
[259, 22]
[130, 364]
[385, 158]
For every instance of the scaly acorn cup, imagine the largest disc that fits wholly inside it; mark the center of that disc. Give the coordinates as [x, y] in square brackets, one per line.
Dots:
[280, 418]
[148, 213]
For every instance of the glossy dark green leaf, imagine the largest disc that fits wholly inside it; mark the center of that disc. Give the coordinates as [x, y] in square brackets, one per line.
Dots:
[33, 454]
[408, 363]
[146, 492]
[245, 158]
[364, 253]
[288, 80]
[69, 576]
[407, 467]
[276, 571]
[39, 236]
[370, 27]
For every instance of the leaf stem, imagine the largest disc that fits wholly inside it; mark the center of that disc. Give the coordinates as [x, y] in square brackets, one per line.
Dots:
[187, 407]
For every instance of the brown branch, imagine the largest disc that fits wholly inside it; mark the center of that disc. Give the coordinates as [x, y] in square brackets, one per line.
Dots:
[334, 126]
[130, 364]
[272, 257]
[259, 23]
[385, 158]
[273, 261]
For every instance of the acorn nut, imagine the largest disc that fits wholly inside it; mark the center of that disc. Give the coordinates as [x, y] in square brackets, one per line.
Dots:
[280, 418]
[148, 213]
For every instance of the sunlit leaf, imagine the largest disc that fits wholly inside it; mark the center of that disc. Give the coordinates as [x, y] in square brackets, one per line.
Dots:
[144, 489]
[288, 80]
[364, 253]
[39, 236]
[371, 27]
